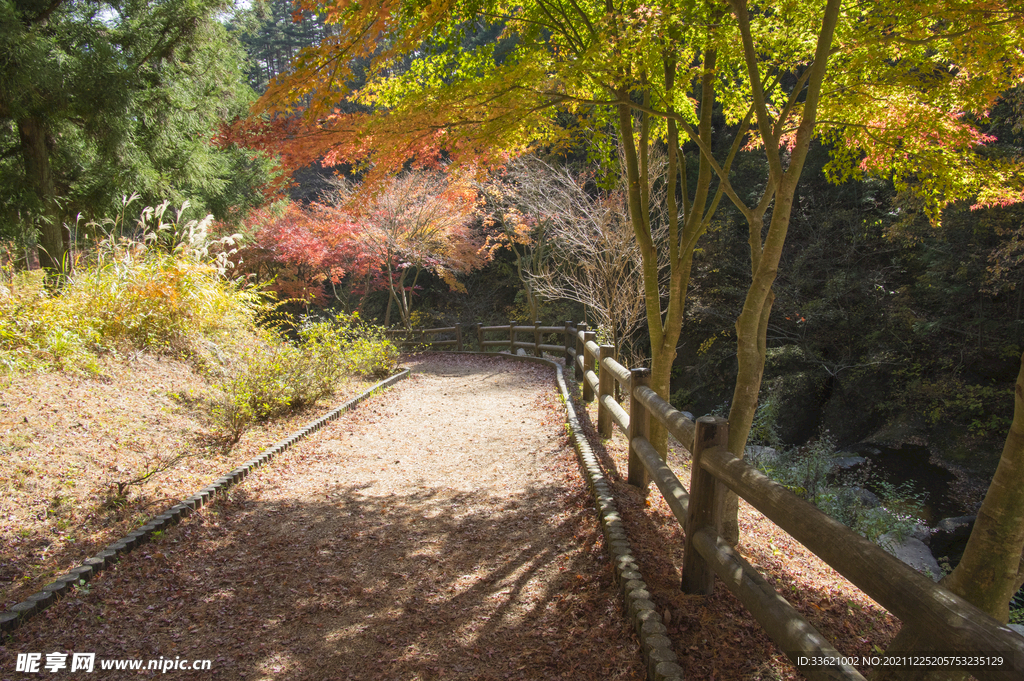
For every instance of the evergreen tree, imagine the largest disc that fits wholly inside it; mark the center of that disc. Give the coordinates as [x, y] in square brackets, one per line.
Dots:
[99, 99]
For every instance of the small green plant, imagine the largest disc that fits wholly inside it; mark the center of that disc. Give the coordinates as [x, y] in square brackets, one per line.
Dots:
[265, 382]
[807, 472]
[764, 430]
[274, 375]
[364, 348]
[1017, 608]
[897, 516]
[681, 398]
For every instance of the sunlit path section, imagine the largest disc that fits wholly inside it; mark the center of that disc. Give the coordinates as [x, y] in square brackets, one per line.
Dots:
[438, 531]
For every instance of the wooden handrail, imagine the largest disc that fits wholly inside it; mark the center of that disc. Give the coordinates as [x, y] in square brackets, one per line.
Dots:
[676, 496]
[618, 415]
[620, 372]
[780, 620]
[680, 427]
[445, 329]
[908, 594]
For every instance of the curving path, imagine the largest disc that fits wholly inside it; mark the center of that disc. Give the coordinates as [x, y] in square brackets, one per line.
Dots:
[438, 531]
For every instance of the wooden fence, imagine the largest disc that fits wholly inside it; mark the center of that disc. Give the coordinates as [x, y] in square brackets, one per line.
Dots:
[512, 341]
[955, 627]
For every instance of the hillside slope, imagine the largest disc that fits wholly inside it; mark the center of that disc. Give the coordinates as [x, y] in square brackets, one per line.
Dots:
[67, 441]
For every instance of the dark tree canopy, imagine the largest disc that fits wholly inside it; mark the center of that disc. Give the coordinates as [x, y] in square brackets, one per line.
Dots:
[100, 99]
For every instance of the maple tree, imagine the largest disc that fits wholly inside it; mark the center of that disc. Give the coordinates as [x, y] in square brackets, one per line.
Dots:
[507, 226]
[299, 251]
[415, 222]
[584, 238]
[895, 88]
[485, 103]
[379, 237]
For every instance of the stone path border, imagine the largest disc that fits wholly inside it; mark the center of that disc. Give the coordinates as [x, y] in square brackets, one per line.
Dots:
[37, 602]
[661, 662]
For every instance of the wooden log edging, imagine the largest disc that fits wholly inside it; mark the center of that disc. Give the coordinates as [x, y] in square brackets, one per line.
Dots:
[52, 592]
[661, 662]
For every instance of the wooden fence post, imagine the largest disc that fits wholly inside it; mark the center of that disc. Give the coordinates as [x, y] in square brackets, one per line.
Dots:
[639, 426]
[458, 336]
[570, 343]
[536, 339]
[577, 370]
[698, 577]
[480, 335]
[512, 338]
[588, 365]
[605, 386]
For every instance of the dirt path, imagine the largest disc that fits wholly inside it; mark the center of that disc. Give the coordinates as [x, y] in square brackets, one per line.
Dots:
[440, 531]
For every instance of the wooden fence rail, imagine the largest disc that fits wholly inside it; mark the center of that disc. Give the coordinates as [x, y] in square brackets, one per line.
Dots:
[955, 626]
[512, 340]
[404, 337]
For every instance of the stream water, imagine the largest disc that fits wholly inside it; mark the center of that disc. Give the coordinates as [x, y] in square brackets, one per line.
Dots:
[909, 464]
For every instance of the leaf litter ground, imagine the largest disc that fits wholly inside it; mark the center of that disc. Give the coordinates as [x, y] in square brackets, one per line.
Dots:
[715, 637]
[438, 531]
[65, 439]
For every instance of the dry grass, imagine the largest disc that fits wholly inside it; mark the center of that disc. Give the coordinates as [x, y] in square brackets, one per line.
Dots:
[66, 440]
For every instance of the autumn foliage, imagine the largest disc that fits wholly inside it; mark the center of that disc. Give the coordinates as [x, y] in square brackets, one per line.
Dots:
[370, 237]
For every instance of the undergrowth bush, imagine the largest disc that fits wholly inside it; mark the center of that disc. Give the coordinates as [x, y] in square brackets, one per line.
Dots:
[274, 375]
[265, 381]
[1017, 607]
[365, 349]
[163, 289]
[809, 473]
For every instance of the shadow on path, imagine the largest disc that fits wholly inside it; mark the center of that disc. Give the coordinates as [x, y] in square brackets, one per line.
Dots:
[348, 581]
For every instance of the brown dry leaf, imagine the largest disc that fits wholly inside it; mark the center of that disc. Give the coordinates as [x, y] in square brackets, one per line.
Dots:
[419, 537]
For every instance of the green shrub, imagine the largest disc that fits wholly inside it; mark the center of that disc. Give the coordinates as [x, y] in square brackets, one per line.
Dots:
[345, 343]
[272, 375]
[898, 515]
[1017, 608]
[807, 473]
[764, 429]
[264, 381]
[164, 290]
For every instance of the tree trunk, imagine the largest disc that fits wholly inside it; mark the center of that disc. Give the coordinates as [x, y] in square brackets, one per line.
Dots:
[662, 355]
[990, 571]
[752, 325]
[35, 155]
[403, 303]
[992, 567]
[665, 324]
